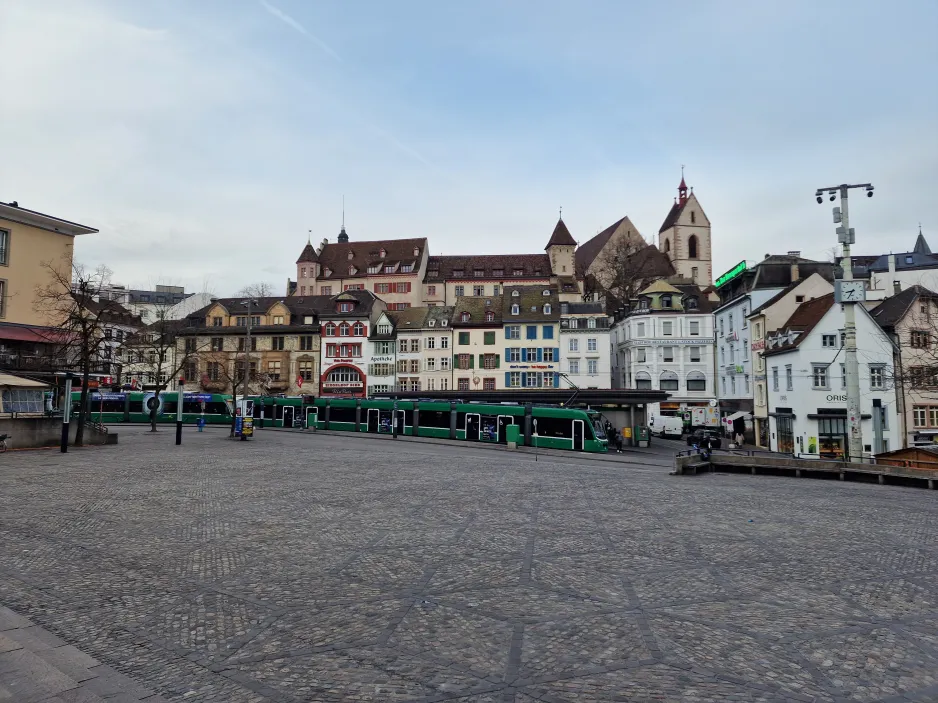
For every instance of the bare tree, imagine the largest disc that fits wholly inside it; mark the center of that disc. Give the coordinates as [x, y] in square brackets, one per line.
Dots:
[230, 369]
[72, 302]
[256, 290]
[626, 268]
[157, 353]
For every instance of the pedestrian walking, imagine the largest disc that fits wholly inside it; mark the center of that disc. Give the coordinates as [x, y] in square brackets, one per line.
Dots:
[618, 442]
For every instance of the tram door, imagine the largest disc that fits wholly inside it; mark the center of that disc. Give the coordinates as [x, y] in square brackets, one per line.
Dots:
[373, 419]
[488, 431]
[401, 420]
[472, 426]
[288, 416]
[578, 435]
[503, 422]
[312, 417]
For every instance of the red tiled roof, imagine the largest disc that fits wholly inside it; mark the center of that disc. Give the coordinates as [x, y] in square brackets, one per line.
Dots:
[561, 236]
[675, 213]
[308, 254]
[497, 266]
[335, 256]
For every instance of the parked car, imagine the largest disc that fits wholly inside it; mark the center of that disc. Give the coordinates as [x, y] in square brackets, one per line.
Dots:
[699, 436]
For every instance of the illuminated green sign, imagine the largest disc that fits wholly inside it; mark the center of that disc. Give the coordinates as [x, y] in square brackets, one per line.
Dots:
[731, 274]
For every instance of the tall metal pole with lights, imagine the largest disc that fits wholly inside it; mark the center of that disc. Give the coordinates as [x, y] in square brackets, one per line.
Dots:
[848, 293]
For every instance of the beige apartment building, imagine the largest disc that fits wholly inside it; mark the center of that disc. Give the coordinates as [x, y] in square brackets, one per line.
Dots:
[424, 348]
[284, 345]
[29, 241]
[909, 318]
[771, 315]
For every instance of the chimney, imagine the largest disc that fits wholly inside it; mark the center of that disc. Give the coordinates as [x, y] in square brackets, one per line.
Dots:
[892, 266]
[795, 272]
[322, 246]
[896, 287]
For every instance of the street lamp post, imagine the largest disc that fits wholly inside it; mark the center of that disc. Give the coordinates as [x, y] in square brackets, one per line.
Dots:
[247, 359]
[179, 400]
[848, 293]
[66, 411]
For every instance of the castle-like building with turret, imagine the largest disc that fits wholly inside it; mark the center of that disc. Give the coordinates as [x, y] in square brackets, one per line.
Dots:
[403, 274]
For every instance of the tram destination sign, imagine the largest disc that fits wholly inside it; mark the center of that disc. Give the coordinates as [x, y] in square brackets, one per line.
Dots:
[731, 274]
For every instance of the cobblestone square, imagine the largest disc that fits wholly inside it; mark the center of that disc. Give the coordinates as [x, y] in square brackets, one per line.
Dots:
[302, 567]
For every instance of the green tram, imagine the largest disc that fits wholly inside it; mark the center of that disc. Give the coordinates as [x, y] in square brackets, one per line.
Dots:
[134, 406]
[547, 427]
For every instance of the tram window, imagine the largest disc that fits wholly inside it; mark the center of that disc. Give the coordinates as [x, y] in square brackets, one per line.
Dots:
[169, 407]
[278, 413]
[341, 414]
[461, 420]
[554, 427]
[268, 411]
[434, 418]
[409, 418]
[216, 408]
[136, 406]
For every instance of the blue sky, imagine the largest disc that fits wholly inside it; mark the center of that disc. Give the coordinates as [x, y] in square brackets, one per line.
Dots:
[206, 139]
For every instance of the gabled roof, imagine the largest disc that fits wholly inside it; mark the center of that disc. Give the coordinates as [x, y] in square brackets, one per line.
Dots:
[441, 268]
[110, 311]
[409, 318]
[336, 256]
[587, 252]
[529, 297]
[561, 236]
[803, 320]
[476, 307]
[781, 294]
[674, 214]
[889, 312]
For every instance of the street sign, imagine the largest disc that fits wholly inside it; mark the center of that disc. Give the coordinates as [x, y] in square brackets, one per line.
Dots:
[299, 381]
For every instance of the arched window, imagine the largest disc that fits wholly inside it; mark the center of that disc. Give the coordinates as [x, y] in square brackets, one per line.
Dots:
[344, 374]
[515, 309]
[344, 329]
[359, 329]
[490, 316]
[692, 246]
[330, 329]
[696, 381]
[383, 253]
[667, 246]
[515, 294]
[690, 303]
[464, 317]
[547, 309]
[668, 381]
[666, 301]
[642, 381]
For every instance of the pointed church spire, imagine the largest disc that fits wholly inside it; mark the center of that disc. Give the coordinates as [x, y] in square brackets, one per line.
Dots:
[921, 246]
[561, 236]
[682, 188]
[343, 235]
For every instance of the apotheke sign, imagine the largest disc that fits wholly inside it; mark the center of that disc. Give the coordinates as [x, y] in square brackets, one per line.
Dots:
[378, 359]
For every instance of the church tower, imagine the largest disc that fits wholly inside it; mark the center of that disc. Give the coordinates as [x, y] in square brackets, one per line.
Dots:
[561, 248]
[685, 238]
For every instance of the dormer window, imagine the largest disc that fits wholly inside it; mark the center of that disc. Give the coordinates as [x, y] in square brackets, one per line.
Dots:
[383, 253]
[407, 268]
[515, 293]
[665, 301]
[459, 273]
[691, 304]
[545, 292]
[490, 316]
[350, 255]
[346, 307]
[498, 273]
[444, 323]
[352, 270]
[515, 309]
[328, 271]
[547, 309]
[431, 323]
[517, 272]
[416, 251]
[464, 317]
[374, 268]
[478, 273]
[433, 273]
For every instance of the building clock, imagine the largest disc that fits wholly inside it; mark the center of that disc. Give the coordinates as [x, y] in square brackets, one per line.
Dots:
[849, 292]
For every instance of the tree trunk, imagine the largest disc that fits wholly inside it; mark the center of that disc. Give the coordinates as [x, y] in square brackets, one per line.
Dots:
[234, 409]
[82, 406]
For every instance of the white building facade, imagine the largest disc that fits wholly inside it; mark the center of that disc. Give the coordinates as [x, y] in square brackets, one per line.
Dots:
[585, 347]
[667, 344]
[807, 394]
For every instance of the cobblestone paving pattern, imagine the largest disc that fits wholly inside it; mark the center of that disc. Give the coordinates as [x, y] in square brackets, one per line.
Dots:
[313, 568]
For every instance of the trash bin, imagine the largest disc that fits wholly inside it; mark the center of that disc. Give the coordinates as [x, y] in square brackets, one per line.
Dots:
[642, 435]
[513, 435]
[201, 423]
